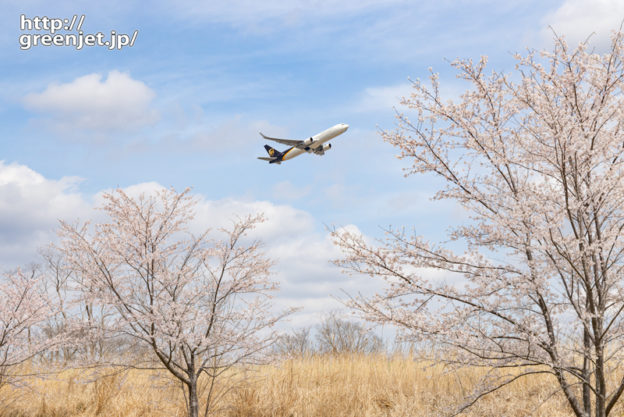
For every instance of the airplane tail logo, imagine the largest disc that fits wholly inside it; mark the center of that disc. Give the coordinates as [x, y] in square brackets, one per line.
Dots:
[272, 152]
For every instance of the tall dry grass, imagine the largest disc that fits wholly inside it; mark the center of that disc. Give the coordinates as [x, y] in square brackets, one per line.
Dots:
[320, 386]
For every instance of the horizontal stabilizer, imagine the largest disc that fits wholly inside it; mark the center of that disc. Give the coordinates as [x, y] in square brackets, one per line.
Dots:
[264, 158]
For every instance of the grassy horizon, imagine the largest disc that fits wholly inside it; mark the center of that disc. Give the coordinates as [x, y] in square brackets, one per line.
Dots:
[315, 386]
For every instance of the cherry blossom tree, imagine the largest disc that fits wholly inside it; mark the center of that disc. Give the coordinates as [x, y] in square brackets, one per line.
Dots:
[198, 303]
[23, 309]
[75, 314]
[537, 159]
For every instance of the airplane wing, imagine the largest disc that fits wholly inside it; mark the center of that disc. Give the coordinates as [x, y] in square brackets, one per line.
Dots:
[289, 142]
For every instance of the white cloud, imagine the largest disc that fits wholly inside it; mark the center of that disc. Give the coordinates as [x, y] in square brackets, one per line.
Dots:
[577, 19]
[283, 222]
[116, 103]
[30, 206]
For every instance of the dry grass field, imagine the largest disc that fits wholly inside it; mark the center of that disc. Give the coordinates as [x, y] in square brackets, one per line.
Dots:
[322, 386]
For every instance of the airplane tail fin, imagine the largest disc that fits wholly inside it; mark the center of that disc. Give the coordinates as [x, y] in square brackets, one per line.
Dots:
[273, 153]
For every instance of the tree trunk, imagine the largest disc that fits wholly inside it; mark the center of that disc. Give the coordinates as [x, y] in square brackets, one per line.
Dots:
[193, 403]
[586, 373]
[601, 389]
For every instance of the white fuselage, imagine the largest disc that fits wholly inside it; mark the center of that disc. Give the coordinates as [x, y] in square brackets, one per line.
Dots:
[318, 140]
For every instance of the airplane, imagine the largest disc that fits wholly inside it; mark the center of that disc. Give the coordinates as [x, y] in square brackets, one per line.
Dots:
[315, 144]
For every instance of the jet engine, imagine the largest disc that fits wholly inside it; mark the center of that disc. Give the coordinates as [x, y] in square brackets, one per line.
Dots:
[320, 150]
[308, 142]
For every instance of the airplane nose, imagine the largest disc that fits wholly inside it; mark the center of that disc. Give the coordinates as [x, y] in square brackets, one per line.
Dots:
[345, 126]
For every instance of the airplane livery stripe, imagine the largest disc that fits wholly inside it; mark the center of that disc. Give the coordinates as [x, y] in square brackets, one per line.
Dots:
[286, 153]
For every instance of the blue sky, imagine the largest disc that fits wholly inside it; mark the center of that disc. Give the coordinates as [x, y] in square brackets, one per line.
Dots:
[183, 106]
